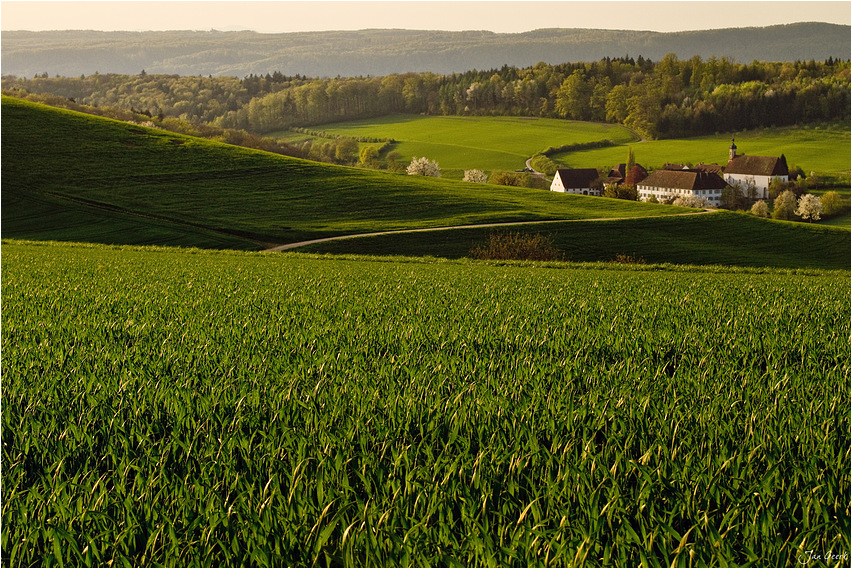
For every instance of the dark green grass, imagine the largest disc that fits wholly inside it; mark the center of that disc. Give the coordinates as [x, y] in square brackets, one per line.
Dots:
[192, 183]
[720, 238]
[232, 409]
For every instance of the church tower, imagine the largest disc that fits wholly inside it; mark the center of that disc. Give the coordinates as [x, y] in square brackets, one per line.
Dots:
[732, 152]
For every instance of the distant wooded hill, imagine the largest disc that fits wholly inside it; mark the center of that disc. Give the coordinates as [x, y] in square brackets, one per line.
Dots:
[381, 52]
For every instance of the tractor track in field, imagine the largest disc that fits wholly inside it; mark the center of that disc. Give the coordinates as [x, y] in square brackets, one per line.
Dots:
[288, 246]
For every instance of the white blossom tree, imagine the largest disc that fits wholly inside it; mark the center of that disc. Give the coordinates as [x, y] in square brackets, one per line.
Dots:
[424, 167]
[692, 201]
[477, 176]
[760, 209]
[810, 207]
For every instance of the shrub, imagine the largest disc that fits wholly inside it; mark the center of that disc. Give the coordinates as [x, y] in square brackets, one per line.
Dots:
[517, 246]
[542, 163]
[692, 201]
[831, 203]
[760, 209]
[626, 259]
[476, 176]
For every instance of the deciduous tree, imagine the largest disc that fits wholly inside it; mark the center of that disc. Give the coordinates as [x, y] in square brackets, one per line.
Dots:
[831, 203]
[810, 207]
[784, 206]
[760, 209]
[424, 167]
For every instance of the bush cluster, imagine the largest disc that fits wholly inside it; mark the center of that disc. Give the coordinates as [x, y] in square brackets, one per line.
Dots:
[503, 246]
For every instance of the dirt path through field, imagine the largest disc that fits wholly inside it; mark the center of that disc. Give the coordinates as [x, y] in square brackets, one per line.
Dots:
[502, 224]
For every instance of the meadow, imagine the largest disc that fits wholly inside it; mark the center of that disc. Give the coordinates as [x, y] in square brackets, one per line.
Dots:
[505, 143]
[70, 176]
[722, 238]
[167, 407]
[464, 143]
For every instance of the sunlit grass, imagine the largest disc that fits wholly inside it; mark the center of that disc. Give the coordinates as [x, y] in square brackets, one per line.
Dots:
[190, 408]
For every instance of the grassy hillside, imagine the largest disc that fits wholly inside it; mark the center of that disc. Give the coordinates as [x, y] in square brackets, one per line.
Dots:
[165, 408]
[71, 176]
[721, 238]
[464, 143]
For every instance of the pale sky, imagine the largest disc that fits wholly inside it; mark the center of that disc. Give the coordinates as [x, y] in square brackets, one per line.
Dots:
[493, 15]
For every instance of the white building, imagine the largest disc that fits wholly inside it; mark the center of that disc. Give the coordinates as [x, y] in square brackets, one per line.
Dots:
[583, 181]
[669, 184]
[756, 170]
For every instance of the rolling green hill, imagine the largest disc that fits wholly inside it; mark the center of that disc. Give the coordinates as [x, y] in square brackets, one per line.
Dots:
[70, 176]
[74, 177]
[463, 143]
[721, 238]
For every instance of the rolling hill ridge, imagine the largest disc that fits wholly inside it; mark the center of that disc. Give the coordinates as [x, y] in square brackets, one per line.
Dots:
[74, 177]
[381, 52]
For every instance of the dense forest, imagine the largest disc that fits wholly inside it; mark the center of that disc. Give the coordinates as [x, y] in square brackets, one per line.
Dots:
[664, 99]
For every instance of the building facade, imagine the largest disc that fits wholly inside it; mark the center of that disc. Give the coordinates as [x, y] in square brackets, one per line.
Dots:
[583, 181]
[665, 185]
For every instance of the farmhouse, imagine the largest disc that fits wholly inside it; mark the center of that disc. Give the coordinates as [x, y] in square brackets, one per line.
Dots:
[576, 181]
[756, 170]
[669, 184]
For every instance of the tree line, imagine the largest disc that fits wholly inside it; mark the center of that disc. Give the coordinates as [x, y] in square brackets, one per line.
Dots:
[666, 99]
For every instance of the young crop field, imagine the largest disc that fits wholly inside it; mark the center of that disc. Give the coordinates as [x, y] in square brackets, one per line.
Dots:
[166, 407]
[820, 149]
[465, 143]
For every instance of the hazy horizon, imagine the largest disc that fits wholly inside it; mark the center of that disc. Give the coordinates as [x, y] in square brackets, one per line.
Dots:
[494, 16]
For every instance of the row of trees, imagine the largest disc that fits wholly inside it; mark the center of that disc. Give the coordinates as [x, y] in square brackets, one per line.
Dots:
[808, 207]
[669, 98]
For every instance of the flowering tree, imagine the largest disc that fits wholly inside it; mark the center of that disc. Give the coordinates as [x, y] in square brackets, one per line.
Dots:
[760, 209]
[784, 206]
[810, 207]
[477, 176]
[692, 201]
[424, 167]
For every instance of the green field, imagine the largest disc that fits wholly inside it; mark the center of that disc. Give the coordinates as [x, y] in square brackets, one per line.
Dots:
[71, 176]
[820, 149]
[721, 238]
[246, 409]
[504, 143]
[465, 143]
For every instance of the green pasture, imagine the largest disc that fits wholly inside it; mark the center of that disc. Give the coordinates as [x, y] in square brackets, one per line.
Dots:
[464, 143]
[820, 149]
[721, 238]
[72, 176]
